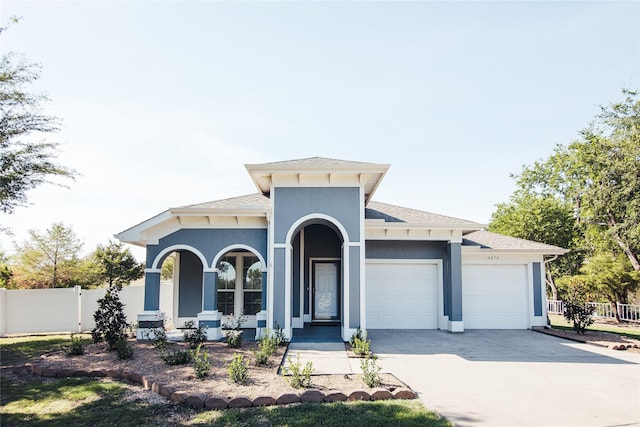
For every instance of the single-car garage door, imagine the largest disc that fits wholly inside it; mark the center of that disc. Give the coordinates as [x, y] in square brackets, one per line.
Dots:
[495, 297]
[401, 295]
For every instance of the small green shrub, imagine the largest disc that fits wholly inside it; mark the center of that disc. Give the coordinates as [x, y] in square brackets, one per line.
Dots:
[279, 335]
[111, 321]
[576, 309]
[299, 377]
[178, 357]
[201, 362]
[124, 348]
[238, 370]
[159, 339]
[194, 335]
[76, 347]
[361, 345]
[370, 371]
[356, 335]
[234, 338]
[261, 357]
[234, 322]
[268, 343]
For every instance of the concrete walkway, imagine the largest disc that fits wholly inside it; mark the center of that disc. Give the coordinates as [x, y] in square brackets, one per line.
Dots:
[327, 357]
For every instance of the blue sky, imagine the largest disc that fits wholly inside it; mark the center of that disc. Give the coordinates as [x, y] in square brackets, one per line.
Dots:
[164, 102]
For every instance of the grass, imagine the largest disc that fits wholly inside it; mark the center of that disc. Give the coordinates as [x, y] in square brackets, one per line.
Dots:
[19, 350]
[559, 322]
[28, 400]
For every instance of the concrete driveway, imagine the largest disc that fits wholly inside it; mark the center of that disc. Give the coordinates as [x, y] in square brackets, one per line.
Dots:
[514, 378]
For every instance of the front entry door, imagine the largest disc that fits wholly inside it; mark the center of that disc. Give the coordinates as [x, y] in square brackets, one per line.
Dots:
[326, 286]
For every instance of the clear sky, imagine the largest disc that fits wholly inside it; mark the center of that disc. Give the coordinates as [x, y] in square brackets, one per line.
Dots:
[164, 102]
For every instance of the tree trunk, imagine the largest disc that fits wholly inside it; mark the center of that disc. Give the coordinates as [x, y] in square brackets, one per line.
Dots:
[623, 245]
[552, 285]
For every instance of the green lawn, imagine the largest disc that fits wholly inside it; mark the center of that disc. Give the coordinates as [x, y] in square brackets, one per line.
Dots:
[28, 400]
[627, 330]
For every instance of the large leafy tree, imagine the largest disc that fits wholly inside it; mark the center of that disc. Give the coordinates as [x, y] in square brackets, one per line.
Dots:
[117, 266]
[50, 259]
[545, 219]
[599, 175]
[26, 161]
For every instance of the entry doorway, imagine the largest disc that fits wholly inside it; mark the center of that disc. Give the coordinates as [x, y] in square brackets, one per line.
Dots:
[325, 290]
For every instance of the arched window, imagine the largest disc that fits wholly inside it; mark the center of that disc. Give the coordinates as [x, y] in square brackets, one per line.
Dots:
[239, 284]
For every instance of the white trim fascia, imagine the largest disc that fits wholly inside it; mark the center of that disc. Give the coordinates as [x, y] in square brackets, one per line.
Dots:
[152, 270]
[287, 294]
[363, 302]
[176, 290]
[316, 215]
[301, 275]
[133, 235]
[345, 286]
[230, 248]
[270, 275]
[538, 252]
[175, 248]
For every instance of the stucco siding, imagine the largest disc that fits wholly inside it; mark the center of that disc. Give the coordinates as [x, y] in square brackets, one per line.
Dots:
[292, 203]
[210, 241]
[395, 249]
[354, 286]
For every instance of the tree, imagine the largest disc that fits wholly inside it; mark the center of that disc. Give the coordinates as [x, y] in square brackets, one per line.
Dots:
[544, 219]
[612, 278]
[117, 266]
[24, 163]
[599, 175]
[5, 271]
[50, 259]
[166, 272]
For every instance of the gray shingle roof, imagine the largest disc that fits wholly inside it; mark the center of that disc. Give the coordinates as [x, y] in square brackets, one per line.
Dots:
[248, 200]
[393, 213]
[319, 161]
[487, 239]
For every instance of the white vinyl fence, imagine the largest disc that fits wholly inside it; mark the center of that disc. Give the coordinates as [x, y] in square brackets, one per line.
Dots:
[27, 311]
[627, 312]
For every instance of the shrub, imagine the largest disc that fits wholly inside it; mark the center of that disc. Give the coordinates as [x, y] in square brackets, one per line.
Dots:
[279, 335]
[576, 309]
[268, 343]
[370, 371]
[178, 357]
[238, 370]
[356, 335]
[234, 338]
[194, 335]
[201, 363]
[261, 356]
[111, 322]
[159, 339]
[361, 345]
[299, 377]
[76, 347]
[124, 348]
[234, 322]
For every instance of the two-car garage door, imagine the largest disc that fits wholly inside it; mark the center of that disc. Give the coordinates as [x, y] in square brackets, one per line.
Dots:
[401, 295]
[404, 295]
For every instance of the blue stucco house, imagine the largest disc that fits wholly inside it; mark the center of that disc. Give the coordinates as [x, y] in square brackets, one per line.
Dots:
[312, 246]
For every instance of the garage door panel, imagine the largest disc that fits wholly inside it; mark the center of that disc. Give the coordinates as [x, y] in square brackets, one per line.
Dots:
[401, 296]
[495, 297]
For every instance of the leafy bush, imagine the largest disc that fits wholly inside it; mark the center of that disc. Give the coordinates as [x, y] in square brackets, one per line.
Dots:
[238, 369]
[201, 362]
[111, 322]
[356, 335]
[361, 345]
[234, 338]
[279, 335]
[124, 348]
[159, 339]
[268, 343]
[576, 309]
[234, 322]
[76, 347]
[370, 371]
[194, 335]
[178, 357]
[299, 377]
[261, 356]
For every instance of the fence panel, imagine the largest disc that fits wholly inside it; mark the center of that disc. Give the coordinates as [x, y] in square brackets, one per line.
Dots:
[40, 310]
[26, 311]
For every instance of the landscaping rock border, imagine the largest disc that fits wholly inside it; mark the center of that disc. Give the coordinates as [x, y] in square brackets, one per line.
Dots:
[201, 401]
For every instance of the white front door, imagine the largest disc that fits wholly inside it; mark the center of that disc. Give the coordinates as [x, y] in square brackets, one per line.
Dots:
[325, 290]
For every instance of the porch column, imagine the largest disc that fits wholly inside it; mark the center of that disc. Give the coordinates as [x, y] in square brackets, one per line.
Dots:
[455, 289]
[210, 316]
[151, 319]
[261, 316]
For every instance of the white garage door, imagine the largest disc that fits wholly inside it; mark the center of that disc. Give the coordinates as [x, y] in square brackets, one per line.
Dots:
[494, 297]
[401, 295]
